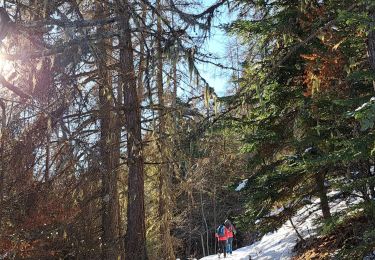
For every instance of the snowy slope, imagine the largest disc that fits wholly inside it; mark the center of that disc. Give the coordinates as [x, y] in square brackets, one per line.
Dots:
[279, 244]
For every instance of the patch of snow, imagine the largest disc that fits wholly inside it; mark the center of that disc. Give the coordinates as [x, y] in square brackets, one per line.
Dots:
[242, 185]
[279, 244]
[365, 104]
[355, 173]
[361, 107]
[276, 211]
[333, 193]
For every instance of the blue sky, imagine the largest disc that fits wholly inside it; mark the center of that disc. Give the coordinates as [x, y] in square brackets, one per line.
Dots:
[217, 44]
[216, 77]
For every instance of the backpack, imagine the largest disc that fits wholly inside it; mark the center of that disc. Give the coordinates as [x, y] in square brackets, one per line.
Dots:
[220, 231]
[230, 226]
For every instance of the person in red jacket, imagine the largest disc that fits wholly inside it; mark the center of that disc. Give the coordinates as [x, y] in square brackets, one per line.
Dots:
[222, 237]
[231, 233]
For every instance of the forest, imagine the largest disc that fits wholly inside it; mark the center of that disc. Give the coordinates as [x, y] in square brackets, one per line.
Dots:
[115, 144]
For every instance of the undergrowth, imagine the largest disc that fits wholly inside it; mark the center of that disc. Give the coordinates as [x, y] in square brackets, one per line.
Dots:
[348, 235]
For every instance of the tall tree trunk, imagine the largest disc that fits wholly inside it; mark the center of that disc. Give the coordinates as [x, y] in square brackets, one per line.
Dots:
[142, 55]
[215, 220]
[371, 175]
[108, 149]
[322, 194]
[135, 242]
[190, 224]
[371, 41]
[364, 174]
[166, 249]
[48, 152]
[204, 220]
[2, 157]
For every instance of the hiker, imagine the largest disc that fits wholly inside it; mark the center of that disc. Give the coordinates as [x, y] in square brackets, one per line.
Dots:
[222, 236]
[231, 233]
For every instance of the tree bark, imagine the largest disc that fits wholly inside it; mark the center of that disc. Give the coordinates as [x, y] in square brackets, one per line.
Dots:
[371, 39]
[295, 229]
[2, 157]
[190, 225]
[322, 193]
[108, 149]
[371, 42]
[371, 175]
[135, 241]
[48, 152]
[142, 55]
[204, 220]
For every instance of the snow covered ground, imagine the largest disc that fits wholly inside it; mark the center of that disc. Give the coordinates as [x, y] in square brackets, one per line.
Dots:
[279, 244]
[242, 185]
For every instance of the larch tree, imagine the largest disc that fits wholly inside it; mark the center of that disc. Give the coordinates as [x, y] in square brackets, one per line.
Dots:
[135, 241]
[109, 141]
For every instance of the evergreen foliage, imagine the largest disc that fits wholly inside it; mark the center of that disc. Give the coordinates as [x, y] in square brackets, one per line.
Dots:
[308, 123]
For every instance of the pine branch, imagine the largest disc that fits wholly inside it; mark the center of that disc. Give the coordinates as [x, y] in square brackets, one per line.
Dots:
[13, 88]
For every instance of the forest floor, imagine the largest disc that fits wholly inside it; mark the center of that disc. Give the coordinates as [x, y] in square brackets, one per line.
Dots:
[325, 247]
